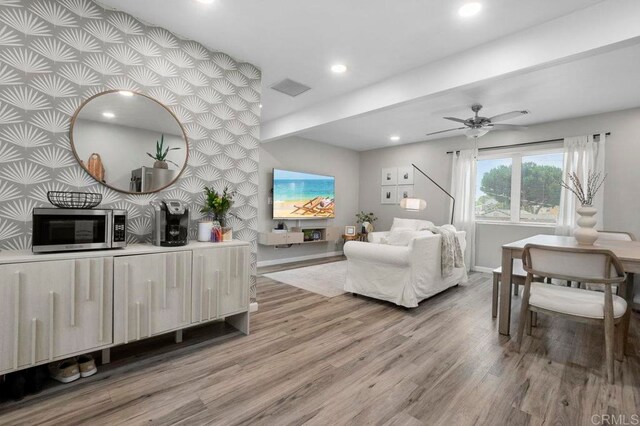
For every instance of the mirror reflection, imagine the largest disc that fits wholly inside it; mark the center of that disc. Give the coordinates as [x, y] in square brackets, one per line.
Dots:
[129, 142]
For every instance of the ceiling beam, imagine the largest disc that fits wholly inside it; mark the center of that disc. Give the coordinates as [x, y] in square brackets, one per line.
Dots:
[604, 26]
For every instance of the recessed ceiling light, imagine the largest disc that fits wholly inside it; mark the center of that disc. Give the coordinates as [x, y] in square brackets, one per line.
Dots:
[125, 92]
[108, 114]
[394, 138]
[339, 68]
[469, 9]
[205, 1]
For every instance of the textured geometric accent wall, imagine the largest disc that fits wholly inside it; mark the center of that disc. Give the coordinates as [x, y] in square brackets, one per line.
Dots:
[55, 54]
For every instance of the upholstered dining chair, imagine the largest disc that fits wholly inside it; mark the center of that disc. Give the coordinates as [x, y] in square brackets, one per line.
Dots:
[616, 235]
[581, 265]
[518, 277]
[518, 274]
[622, 236]
[610, 236]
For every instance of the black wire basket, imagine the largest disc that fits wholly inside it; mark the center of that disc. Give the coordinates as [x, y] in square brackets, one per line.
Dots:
[74, 200]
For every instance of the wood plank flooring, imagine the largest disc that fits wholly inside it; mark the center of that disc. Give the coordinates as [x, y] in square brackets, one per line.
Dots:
[353, 360]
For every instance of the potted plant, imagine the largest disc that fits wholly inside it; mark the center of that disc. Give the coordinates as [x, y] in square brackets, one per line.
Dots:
[218, 205]
[585, 233]
[366, 219]
[161, 155]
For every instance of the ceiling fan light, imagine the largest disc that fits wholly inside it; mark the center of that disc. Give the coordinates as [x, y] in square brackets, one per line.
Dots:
[473, 133]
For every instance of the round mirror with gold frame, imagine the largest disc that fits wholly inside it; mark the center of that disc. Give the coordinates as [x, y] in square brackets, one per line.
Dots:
[129, 142]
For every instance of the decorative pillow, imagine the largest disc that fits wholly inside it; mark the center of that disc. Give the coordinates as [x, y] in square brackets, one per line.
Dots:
[403, 223]
[423, 233]
[415, 224]
[424, 224]
[400, 236]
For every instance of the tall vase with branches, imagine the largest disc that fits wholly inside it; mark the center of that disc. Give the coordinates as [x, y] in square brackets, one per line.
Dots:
[585, 193]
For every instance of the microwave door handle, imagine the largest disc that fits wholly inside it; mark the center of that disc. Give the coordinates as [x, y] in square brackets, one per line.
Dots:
[109, 225]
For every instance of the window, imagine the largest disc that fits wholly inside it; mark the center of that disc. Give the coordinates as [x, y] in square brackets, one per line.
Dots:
[519, 187]
[493, 189]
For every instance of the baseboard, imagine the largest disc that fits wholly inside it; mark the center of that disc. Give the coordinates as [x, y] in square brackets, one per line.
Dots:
[253, 307]
[298, 259]
[482, 269]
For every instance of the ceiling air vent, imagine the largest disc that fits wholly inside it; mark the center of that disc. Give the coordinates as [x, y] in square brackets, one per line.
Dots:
[290, 87]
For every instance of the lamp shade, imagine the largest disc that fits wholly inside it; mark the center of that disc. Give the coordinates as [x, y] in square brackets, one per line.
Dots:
[413, 204]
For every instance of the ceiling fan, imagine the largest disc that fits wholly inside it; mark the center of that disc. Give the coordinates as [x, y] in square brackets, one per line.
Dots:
[477, 126]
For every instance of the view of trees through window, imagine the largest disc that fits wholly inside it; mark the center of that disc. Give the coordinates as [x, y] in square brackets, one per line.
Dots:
[538, 188]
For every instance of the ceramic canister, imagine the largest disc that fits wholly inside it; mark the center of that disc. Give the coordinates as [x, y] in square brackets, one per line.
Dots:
[204, 231]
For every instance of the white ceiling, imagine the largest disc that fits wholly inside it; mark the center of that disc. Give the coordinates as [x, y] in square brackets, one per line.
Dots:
[376, 39]
[136, 111]
[605, 82]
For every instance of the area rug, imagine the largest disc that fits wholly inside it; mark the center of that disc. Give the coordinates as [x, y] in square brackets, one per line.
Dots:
[327, 279]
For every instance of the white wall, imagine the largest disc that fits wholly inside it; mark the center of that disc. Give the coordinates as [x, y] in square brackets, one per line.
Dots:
[622, 189]
[123, 149]
[431, 157]
[304, 155]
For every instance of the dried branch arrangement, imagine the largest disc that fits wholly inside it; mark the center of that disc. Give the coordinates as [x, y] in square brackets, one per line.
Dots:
[584, 195]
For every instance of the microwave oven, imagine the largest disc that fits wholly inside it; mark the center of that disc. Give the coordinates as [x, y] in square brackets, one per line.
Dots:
[57, 229]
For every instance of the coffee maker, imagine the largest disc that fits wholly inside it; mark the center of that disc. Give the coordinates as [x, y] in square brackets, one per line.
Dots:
[170, 223]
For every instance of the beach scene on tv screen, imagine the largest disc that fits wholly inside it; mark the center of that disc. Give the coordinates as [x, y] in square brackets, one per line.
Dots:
[299, 195]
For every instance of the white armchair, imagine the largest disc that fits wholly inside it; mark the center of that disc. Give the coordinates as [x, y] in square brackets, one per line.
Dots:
[404, 275]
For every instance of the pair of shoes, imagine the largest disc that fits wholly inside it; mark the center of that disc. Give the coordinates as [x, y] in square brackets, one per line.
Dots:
[72, 369]
[87, 365]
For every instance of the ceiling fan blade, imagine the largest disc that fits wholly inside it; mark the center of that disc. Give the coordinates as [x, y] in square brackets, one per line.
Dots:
[459, 120]
[505, 127]
[508, 115]
[448, 130]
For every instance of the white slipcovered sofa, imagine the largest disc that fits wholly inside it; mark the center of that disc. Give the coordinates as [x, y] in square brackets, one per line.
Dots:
[402, 266]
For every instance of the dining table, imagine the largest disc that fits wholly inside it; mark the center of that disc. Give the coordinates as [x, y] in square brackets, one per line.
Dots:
[628, 252]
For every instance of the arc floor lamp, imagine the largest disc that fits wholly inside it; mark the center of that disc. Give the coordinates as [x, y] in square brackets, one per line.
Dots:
[416, 204]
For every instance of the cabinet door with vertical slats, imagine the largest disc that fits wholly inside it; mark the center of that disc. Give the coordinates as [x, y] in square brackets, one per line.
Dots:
[220, 282]
[152, 294]
[49, 310]
[234, 288]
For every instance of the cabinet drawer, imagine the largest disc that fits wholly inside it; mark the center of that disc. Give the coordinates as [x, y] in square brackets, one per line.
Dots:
[295, 237]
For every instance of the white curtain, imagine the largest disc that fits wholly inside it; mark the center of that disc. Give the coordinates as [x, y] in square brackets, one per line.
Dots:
[463, 189]
[582, 154]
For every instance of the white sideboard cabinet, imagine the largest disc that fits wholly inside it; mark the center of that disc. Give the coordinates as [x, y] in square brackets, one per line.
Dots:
[54, 306]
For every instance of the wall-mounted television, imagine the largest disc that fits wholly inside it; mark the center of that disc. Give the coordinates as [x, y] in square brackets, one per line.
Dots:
[298, 195]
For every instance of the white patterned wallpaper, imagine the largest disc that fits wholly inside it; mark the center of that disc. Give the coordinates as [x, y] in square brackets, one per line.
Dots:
[55, 54]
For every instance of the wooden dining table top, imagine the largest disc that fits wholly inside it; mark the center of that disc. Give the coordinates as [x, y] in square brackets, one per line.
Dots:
[625, 250]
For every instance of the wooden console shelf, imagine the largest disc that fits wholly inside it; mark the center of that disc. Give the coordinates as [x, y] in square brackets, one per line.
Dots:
[296, 236]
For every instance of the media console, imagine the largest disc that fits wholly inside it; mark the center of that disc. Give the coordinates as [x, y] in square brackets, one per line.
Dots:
[300, 235]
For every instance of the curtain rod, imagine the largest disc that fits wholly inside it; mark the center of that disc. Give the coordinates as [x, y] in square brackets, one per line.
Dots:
[522, 144]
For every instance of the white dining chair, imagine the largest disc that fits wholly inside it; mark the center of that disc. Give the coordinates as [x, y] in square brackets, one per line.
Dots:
[518, 277]
[608, 236]
[616, 236]
[581, 265]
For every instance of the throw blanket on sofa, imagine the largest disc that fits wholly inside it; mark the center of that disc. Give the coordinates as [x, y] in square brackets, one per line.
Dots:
[451, 253]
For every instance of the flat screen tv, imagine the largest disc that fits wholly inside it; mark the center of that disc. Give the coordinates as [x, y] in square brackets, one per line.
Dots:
[298, 195]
